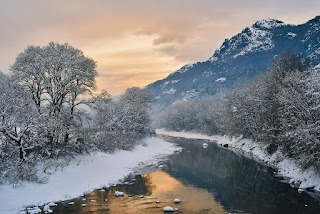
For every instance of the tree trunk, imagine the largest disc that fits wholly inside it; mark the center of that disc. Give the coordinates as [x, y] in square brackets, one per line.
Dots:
[21, 152]
[66, 137]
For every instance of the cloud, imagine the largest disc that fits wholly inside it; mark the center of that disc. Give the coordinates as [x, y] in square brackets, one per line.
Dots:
[137, 42]
[163, 39]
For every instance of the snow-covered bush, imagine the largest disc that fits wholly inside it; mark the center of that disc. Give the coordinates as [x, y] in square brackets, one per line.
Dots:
[12, 169]
[120, 123]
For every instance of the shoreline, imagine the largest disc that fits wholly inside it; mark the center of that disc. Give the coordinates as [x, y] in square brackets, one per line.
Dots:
[286, 168]
[84, 174]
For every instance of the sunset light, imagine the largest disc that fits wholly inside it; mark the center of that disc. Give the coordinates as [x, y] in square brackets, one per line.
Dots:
[136, 42]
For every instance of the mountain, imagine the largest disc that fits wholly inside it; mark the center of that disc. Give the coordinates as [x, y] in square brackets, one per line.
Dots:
[239, 59]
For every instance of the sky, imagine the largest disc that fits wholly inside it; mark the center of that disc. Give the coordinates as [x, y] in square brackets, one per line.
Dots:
[136, 42]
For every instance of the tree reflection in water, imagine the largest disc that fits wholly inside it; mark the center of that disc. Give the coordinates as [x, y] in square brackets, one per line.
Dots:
[237, 182]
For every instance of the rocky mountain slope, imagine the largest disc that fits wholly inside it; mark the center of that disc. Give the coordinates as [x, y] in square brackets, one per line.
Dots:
[240, 58]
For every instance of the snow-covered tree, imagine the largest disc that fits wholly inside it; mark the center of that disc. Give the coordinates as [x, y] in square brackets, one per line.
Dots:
[18, 115]
[56, 73]
[274, 82]
[280, 108]
[206, 115]
[123, 121]
[42, 112]
[244, 109]
[304, 136]
[56, 77]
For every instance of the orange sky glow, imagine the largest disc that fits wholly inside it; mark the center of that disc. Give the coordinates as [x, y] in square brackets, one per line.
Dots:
[137, 42]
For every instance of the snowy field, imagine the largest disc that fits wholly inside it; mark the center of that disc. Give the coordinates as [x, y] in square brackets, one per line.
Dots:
[286, 167]
[84, 174]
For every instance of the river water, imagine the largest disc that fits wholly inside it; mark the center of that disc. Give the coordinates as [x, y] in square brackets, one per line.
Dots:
[206, 180]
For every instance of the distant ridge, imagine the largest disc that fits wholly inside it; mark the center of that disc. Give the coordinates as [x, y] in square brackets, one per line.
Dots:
[240, 58]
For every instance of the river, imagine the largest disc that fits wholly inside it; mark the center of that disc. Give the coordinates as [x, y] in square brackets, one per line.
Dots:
[206, 180]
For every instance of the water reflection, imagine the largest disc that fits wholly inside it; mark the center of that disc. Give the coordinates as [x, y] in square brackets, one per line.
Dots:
[207, 180]
[237, 182]
[141, 194]
[165, 188]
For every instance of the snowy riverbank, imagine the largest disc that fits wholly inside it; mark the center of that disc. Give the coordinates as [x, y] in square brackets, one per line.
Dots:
[304, 179]
[84, 174]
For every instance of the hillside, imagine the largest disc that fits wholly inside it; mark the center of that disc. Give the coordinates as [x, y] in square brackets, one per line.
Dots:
[239, 59]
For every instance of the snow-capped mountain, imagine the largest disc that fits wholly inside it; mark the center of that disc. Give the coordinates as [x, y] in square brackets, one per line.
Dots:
[240, 58]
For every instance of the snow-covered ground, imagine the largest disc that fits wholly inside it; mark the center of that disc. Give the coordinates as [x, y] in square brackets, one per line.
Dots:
[84, 174]
[286, 167]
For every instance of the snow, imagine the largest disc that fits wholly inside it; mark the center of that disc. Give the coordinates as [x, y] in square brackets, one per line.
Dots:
[315, 26]
[290, 34]
[118, 194]
[207, 73]
[168, 209]
[165, 84]
[183, 69]
[302, 178]
[51, 204]
[170, 91]
[221, 79]
[213, 59]
[189, 95]
[73, 180]
[34, 210]
[177, 200]
[257, 40]
[174, 81]
[269, 23]
[47, 208]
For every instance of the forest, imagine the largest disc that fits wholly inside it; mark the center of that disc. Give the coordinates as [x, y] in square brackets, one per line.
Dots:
[280, 109]
[49, 111]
